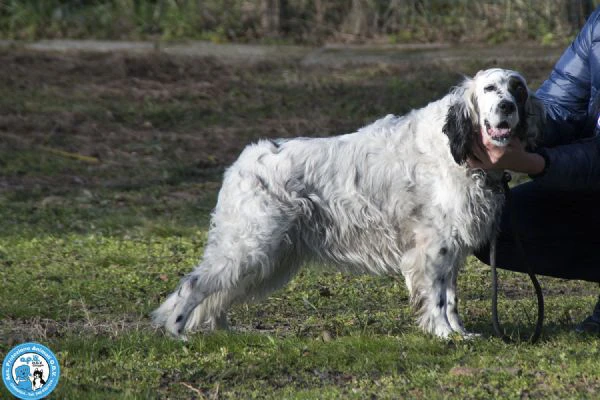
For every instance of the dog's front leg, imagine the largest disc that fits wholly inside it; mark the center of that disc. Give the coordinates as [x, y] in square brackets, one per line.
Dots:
[428, 283]
[452, 302]
[426, 268]
[437, 307]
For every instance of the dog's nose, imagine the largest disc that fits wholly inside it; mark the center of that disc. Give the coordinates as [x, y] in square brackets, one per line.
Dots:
[507, 107]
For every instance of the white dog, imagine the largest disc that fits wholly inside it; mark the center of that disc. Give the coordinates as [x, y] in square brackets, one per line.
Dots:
[396, 196]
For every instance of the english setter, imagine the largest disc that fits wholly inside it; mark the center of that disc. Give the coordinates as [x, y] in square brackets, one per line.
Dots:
[395, 196]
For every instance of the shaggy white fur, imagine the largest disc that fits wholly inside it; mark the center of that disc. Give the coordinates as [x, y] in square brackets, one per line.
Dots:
[394, 197]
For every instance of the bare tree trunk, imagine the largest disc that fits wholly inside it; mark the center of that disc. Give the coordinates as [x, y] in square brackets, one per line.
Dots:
[319, 13]
[357, 19]
[270, 17]
[577, 12]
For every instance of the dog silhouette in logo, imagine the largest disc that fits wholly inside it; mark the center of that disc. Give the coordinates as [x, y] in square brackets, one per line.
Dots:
[38, 379]
[23, 373]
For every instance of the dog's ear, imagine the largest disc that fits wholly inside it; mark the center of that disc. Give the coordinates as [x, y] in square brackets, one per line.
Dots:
[459, 128]
[536, 119]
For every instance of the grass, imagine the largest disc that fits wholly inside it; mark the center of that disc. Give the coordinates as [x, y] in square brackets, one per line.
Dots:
[110, 165]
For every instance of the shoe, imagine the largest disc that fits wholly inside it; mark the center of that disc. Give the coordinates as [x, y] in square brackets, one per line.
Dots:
[592, 323]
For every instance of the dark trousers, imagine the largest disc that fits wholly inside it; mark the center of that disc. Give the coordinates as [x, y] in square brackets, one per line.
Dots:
[560, 233]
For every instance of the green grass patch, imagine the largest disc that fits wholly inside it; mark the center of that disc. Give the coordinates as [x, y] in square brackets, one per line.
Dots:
[89, 249]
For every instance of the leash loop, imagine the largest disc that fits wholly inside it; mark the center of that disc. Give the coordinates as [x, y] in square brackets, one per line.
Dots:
[523, 258]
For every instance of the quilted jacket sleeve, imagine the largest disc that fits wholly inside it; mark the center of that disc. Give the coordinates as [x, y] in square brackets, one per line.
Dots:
[572, 104]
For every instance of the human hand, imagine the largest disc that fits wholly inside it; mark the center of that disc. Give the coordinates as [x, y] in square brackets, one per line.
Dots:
[488, 156]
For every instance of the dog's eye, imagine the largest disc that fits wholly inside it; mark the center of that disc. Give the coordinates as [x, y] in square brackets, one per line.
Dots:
[489, 88]
[516, 86]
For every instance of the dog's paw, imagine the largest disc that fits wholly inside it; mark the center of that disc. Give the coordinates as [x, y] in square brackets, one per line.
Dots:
[470, 335]
[179, 336]
[183, 338]
[443, 331]
[176, 327]
[464, 336]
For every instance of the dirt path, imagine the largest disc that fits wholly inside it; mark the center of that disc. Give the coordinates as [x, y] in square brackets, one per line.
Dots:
[328, 55]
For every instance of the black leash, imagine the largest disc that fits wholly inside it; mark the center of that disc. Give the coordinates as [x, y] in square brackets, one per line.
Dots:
[522, 255]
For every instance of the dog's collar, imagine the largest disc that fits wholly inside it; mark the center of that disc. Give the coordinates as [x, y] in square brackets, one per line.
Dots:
[496, 180]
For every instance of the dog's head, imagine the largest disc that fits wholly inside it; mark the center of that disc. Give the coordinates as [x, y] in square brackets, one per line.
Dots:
[495, 103]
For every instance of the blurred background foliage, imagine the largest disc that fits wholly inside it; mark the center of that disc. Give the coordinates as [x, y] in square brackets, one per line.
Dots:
[297, 21]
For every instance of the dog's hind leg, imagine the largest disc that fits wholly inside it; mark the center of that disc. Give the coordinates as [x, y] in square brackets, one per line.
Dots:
[249, 233]
[212, 310]
[236, 259]
[286, 265]
[205, 298]
[219, 321]
[286, 268]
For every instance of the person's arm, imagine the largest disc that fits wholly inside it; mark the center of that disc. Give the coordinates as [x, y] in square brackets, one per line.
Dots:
[574, 166]
[567, 94]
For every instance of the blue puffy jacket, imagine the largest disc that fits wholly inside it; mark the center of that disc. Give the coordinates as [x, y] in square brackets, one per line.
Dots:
[572, 100]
